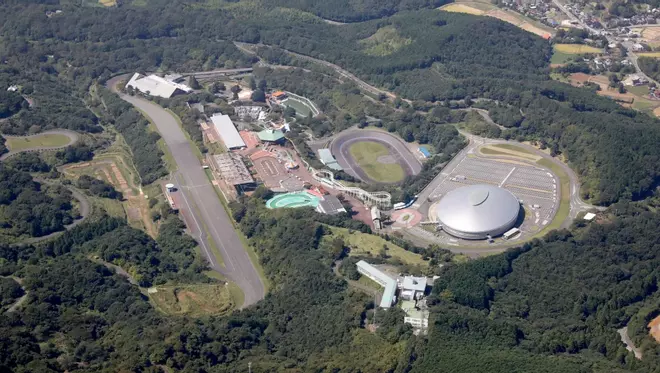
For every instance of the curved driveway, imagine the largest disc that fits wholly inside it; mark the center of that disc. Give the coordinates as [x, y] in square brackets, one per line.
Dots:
[202, 202]
[73, 138]
[341, 144]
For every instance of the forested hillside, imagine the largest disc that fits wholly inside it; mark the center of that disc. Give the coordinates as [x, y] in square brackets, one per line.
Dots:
[553, 305]
[29, 208]
[440, 60]
[354, 10]
[565, 296]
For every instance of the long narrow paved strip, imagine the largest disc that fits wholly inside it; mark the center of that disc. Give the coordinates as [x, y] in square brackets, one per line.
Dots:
[201, 195]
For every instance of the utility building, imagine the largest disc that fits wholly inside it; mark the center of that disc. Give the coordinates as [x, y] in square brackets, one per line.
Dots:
[413, 288]
[330, 205]
[329, 160]
[227, 131]
[389, 293]
[231, 168]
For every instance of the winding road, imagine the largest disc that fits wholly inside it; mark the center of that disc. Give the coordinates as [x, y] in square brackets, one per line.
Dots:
[340, 71]
[207, 218]
[73, 138]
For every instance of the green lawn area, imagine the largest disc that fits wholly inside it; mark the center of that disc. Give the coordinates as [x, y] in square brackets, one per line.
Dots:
[561, 58]
[514, 148]
[40, 141]
[491, 151]
[366, 281]
[366, 155]
[363, 244]
[640, 90]
[644, 105]
[301, 108]
[564, 203]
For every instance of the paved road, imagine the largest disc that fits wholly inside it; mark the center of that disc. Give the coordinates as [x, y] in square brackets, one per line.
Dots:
[200, 198]
[361, 83]
[73, 138]
[577, 205]
[341, 144]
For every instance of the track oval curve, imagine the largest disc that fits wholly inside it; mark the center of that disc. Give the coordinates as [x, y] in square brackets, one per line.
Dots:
[402, 155]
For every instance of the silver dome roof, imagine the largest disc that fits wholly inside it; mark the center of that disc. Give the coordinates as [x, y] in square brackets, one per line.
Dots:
[476, 211]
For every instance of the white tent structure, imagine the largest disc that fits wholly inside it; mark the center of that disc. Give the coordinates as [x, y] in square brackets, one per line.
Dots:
[154, 85]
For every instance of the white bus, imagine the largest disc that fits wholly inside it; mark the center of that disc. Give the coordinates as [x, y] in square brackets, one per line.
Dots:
[510, 233]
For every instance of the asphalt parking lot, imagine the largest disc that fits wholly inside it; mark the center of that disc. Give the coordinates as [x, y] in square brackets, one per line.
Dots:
[535, 187]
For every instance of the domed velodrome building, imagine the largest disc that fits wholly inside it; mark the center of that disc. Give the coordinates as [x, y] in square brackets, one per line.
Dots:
[476, 212]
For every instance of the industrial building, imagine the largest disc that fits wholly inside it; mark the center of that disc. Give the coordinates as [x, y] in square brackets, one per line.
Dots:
[227, 131]
[330, 205]
[389, 293]
[231, 168]
[477, 211]
[155, 85]
[326, 157]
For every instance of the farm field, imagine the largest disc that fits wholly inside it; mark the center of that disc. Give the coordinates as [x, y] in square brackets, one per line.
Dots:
[562, 53]
[462, 8]
[649, 54]
[628, 99]
[370, 156]
[485, 9]
[364, 244]
[108, 2]
[38, 141]
[576, 49]
[192, 300]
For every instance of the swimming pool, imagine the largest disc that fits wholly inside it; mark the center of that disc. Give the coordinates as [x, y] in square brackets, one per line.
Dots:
[292, 200]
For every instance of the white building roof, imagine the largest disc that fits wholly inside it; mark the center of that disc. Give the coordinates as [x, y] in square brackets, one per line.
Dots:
[390, 283]
[414, 283]
[155, 85]
[227, 131]
[589, 216]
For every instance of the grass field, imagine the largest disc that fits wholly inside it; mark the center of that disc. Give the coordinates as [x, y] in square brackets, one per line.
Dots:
[192, 300]
[510, 150]
[565, 201]
[462, 8]
[561, 58]
[39, 141]
[384, 42]
[576, 49]
[301, 108]
[367, 153]
[363, 244]
[640, 90]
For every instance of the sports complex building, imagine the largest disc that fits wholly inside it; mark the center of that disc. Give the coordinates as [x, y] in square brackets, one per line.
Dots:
[476, 212]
